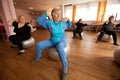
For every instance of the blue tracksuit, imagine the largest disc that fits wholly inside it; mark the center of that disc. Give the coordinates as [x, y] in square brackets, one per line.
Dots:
[57, 37]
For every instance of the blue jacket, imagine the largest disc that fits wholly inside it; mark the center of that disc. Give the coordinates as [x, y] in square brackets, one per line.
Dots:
[56, 29]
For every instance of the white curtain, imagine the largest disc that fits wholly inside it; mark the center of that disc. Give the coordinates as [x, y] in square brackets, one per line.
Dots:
[86, 11]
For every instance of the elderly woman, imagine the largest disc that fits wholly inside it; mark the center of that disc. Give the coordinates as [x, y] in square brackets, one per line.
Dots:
[108, 28]
[56, 27]
[22, 30]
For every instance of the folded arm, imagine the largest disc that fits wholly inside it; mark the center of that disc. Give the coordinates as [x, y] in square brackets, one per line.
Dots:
[43, 21]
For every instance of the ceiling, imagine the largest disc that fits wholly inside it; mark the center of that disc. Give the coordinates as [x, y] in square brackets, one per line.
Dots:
[36, 5]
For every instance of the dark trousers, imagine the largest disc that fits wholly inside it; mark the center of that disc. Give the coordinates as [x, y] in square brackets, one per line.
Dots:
[109, 33]
[77, 31]
[17, 40]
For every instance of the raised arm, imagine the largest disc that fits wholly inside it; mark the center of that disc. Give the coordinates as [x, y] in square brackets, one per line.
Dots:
[43, 21]
[67, 22]
[10, 22]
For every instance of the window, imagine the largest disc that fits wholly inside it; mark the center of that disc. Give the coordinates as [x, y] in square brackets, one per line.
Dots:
[113, 9]
[68, 12]
[86, 11]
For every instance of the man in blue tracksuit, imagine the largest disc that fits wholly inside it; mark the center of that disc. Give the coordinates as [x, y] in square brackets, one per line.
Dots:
[56, 27]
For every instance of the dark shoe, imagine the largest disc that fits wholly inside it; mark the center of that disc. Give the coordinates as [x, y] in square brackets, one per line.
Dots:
[116, 44]
[34, 61]
[64, 76]
[20, 53]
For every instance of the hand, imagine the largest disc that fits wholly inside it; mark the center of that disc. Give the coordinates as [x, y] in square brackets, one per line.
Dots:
[106, 22]
[65, 19]
[9, 22]
[49, 17]
[31, 27]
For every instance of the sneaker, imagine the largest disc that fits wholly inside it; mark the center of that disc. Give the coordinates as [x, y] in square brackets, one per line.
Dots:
[34, 61]
[13, 46]
[64, 76]
[116, 44]
[22, 51]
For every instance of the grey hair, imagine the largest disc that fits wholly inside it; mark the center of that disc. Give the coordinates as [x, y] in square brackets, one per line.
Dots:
[54, 10]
